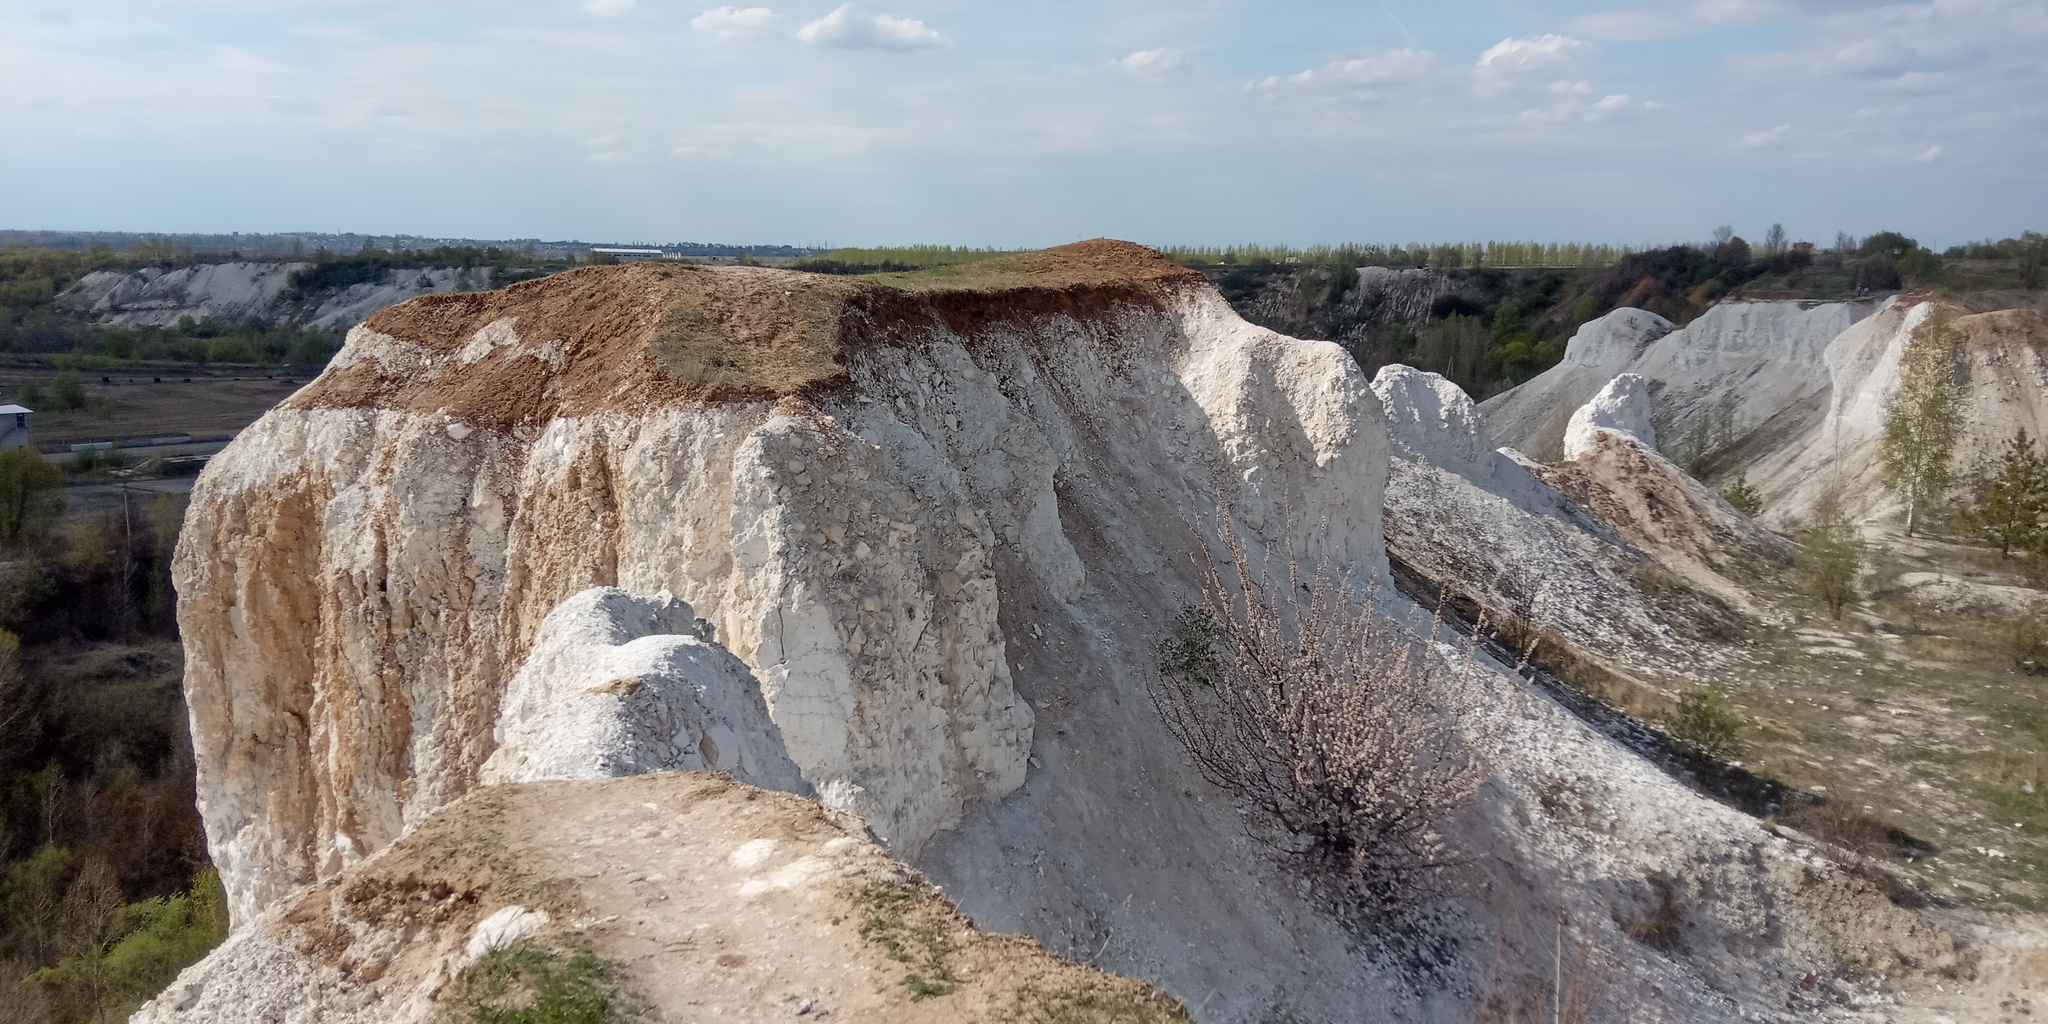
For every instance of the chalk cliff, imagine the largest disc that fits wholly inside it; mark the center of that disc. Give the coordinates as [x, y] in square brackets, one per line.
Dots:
[363, 569]
[940, 520]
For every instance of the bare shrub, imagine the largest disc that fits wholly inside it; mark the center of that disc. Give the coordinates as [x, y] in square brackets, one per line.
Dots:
[2023, 636]
[1837, 822]
[1662, 926]
[1338, 727]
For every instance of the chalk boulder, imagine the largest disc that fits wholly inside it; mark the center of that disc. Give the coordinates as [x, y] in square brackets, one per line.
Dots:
[1623, 406]
[620, 685]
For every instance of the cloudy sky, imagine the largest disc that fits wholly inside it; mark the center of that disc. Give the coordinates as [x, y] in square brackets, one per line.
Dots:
[896, 121]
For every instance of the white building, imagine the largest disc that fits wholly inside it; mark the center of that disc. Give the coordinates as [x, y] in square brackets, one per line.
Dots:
[626, 254]
[14, 426]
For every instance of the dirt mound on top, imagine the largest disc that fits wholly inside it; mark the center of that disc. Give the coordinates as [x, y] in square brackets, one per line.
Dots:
[631, 337]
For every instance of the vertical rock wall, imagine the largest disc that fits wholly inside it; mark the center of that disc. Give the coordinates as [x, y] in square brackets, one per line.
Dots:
[362, 573]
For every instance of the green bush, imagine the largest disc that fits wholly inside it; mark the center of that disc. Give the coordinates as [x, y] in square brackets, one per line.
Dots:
[31, 495]
[1705, 722]
[1832, 557]
[1741, 495]
[1189, 648]
[159, 938]
[229, 348]
[69, 390]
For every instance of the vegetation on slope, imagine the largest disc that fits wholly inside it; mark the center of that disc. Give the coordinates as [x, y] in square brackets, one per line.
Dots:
[1496, 314]
[32, 324]
[105, 885]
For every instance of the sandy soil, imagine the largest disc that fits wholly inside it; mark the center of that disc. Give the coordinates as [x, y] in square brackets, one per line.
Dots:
[710, 900]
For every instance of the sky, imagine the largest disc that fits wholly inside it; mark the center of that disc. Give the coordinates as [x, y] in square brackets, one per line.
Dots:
[1027, 124]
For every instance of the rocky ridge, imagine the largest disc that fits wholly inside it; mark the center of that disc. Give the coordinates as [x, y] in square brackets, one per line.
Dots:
[939, 518]
[252, 290]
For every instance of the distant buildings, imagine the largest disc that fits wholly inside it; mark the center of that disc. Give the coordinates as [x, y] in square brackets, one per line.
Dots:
[14, 426]
[630, 254]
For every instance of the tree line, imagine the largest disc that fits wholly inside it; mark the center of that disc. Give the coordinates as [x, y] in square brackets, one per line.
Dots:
[105, 889]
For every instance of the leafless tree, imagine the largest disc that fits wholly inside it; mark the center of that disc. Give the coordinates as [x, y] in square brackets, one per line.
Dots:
[1341, 728]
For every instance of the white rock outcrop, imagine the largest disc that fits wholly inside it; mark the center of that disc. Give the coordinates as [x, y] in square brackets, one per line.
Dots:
[1489, 526]
[243, 290]
[619, 685]
[1745, 378]
[363, 570]
[2003, 378]
[946, 555]
[1531, 417]
[1622, 407]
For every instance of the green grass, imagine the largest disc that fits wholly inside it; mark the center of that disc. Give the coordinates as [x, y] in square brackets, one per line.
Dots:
[901, 918]
[526, 984]
[916, 255]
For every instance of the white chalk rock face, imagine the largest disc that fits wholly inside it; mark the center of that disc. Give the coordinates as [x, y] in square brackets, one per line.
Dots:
[1484, 523]
[1622, 407]
[621, 685]
[239, 291]
[1745, 377]
[365, 573]
[1615, 339]
[1429, 417]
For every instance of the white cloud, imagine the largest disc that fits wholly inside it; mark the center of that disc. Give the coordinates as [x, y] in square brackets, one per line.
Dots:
[1631, 26]
[1380, 71]
[1151, 63]
[1704, 15]
[848, 29]
[1574, 102]
[1929, 155]
[607, 8]
[1512, 61]
[1721, 12]
[737, 24]
[1758, 140]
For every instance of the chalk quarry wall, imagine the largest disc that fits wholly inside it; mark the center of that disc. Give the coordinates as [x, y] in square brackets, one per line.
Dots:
[243, 290]
[358, 581]
[944, 558]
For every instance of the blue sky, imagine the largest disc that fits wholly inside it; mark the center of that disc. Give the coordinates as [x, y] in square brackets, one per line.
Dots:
[896, 121]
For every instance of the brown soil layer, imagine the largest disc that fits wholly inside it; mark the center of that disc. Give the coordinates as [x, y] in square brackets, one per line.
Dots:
[644, 335]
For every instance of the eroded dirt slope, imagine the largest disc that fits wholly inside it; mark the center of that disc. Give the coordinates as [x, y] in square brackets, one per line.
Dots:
[710, 900]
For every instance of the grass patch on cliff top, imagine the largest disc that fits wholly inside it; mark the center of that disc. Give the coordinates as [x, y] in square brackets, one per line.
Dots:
[526, 984]
[746, 334]
[749, 332]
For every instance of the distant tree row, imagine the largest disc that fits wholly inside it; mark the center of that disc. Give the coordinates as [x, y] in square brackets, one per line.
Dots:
[1449, 256]
[906, 257]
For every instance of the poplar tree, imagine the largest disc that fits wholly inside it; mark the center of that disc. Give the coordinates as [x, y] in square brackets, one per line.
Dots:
[1920, 425]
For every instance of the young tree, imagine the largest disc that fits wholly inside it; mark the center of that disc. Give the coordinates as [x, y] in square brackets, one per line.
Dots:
[1774, 240]
[1741, 495]
[1920, 425]
[1832, 556]
[1706, 722]
[31, 494]
[2009, 508]
[69, 389]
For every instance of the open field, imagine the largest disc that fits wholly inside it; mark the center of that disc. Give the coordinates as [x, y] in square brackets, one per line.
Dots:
[144, 399]
[1916, 725]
